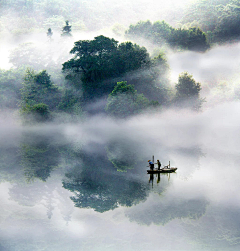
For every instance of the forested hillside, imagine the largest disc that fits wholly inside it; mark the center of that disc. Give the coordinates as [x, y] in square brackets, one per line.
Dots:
[55, 76]
[219, 19]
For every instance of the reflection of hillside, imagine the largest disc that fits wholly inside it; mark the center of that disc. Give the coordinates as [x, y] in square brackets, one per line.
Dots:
[9, 164]
[39, 155]
[219, 227]
[123, 153]
[101, 187]
[161, 210]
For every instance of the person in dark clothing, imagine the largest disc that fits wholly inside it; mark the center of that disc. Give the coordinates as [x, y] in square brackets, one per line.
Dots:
[151, 165]
[159, 164]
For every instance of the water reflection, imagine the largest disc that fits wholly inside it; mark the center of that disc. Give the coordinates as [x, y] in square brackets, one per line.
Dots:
[220, 227]
[102, 179]
[157, 176]
[99, 186]
[63, 180]
[161, 210]
[39, 155]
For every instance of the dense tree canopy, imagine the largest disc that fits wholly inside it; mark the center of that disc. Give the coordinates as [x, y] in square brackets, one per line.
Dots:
[97, 61]
[102, 58]
[124, 101]
[100, 63]
[38, 88]
[39, 95]
[10, 85]
[188, 92]
[218, 18]
[163, 34]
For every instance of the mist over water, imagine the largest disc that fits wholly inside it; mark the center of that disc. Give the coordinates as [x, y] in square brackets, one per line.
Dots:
[203, 191]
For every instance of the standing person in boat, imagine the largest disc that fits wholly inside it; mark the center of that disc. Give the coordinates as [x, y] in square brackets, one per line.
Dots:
[159, 164]
[151, 165]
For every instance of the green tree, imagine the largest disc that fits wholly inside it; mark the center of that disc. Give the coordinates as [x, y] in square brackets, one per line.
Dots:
[197, 40]
[10, 85]
[38, 88]
[228, 25]
[140, 29]
[218, 18]
[39, 95]
[89, 58]
[39, 112]
[70, 106]
[188, 92]
[162, 33]
[124, 101]
[97, 61]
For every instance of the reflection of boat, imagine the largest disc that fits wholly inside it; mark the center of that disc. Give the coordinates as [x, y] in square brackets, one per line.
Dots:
[163, 170]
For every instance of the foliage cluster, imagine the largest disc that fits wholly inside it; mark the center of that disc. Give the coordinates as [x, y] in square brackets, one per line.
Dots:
[98, 64]
[219, 19]
[10, 85]
[123, 75]
[39, 95]
[188, 92]
[103, 58]
[124, 101]
[162, 33]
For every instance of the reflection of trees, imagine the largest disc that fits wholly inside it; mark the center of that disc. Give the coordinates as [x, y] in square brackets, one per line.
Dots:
[39, 155]
[162, 210]
[100, 187]
[123, 154]
[220, 227]
[9, 167]
[50, 195]
[155, 179]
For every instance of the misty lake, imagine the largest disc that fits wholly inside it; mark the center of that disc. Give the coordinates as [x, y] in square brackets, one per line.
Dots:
[89, 92]
[85, 187]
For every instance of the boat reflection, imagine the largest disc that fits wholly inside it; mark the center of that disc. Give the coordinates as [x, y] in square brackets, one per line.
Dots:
[158, 177]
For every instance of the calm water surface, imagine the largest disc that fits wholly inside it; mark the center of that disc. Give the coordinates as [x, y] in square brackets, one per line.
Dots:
[85, 186]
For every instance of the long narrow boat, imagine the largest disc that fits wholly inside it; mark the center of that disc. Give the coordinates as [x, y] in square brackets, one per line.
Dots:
[163, 170]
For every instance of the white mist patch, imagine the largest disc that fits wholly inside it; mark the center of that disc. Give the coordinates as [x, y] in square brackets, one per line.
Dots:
[4, 61]
[10, 129]
[216, 129]
[219, 63]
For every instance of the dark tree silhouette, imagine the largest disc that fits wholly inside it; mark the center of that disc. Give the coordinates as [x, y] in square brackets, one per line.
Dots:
[66, 31]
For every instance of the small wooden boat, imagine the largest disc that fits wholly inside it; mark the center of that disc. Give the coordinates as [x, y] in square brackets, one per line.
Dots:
[163, 170]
